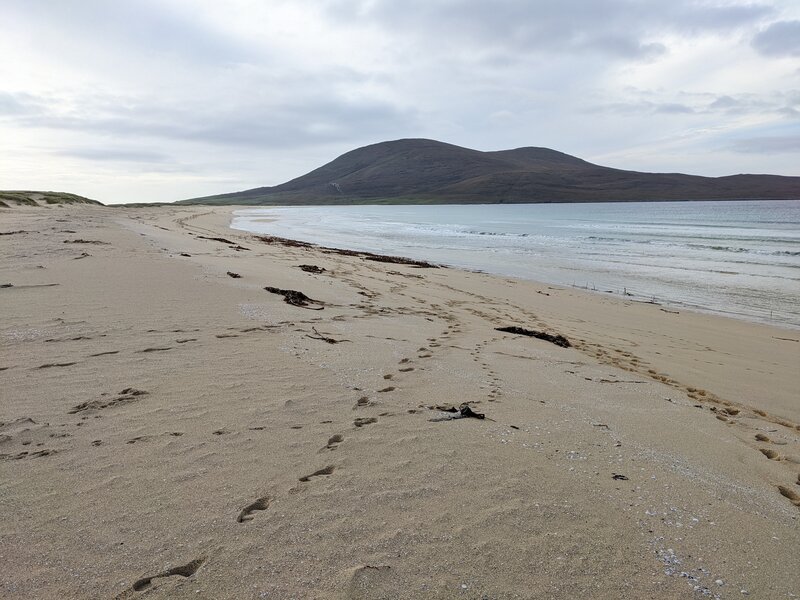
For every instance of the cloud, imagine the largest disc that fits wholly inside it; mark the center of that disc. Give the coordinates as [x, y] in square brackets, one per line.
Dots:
[724, 103]
[626, 29]
[273, 127]
[317, 118]
[746, 104]
[697, 17]
[768, 145]
[15, 104]
[114, 154]
[259, 93]
[154, 28]
[674, 108]
[650, 102]
[641, 107]
[779, 39]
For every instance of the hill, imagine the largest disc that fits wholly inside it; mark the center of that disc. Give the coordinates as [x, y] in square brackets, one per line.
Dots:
[25, 198]
[427, 171]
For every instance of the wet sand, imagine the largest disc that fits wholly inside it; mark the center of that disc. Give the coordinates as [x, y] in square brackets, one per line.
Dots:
[171, 429]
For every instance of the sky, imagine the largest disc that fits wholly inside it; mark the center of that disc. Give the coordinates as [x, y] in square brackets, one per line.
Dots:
[161, 100]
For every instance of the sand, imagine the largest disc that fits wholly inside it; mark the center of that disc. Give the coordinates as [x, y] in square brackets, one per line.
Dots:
[170, 430]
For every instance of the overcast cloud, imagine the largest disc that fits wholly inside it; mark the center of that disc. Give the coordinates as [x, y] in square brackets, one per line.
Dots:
[159, 100]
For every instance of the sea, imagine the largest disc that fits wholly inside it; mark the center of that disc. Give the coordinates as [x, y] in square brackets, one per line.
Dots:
[735, 258]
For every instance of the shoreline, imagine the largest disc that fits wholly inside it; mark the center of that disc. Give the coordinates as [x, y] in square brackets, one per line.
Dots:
[172, 429]
[629, 297]
[619, 289]
[719, 321]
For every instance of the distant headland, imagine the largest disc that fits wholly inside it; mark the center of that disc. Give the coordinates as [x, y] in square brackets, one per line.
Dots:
[420, 171]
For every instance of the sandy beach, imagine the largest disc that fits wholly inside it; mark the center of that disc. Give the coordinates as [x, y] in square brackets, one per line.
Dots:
[171, 429]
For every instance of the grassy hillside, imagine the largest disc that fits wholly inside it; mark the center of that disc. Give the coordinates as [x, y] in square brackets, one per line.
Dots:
[27, 198]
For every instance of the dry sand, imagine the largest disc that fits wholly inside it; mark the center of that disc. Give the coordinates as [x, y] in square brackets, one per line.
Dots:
[170, 431]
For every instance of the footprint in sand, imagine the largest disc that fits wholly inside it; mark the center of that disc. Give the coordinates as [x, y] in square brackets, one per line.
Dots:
[333, 442]
[790, 495]
[362, 402]
[25, 454]
[770, 454]
[365, 421]
[124, 397]
[379, 579]
[325, 471]
[142, 584]
[247, 512]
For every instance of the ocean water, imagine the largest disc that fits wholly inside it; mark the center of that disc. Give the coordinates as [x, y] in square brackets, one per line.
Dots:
[740, 259]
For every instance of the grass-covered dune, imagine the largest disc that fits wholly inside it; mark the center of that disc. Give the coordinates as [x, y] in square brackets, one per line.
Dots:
[12, 198]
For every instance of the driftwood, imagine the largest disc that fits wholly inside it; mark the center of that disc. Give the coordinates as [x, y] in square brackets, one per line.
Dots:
[558, 340]
[295, 298]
